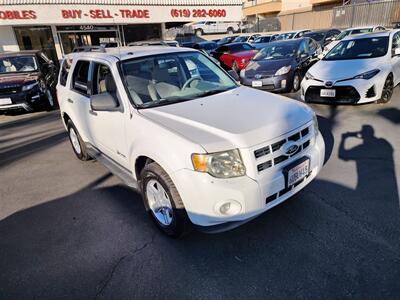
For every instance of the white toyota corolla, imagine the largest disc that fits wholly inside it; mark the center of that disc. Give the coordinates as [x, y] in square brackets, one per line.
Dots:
[359, 69]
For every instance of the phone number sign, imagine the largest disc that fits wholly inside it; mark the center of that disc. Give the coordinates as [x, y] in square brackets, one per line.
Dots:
[112, 14]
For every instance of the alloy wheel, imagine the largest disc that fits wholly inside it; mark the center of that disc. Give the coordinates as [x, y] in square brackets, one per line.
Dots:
[75, 141]
[387, 91]
[159, 202]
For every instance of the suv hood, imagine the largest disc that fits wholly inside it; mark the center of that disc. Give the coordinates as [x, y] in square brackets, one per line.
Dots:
[343, 69]
[238, 118]
[17, 78]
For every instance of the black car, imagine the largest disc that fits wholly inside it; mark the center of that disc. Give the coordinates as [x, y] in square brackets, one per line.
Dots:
[323, 37]
[226, 40]
[281, 65]
[206, 46]
[27, 81]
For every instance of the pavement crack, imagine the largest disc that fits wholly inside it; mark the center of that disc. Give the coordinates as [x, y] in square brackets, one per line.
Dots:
[110, 274]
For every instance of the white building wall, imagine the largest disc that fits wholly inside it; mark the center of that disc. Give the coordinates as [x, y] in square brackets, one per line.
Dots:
[8, 42]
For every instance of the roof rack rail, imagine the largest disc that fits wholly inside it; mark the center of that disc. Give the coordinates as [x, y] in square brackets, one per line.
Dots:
[89, 49]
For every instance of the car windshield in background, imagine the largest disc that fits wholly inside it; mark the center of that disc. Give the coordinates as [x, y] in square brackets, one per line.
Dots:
[343, 34]
[240, 39]
[317, 36]
[15, 64]
[240, 48]
[262, 39]
[285, 36]
[171, 78]
[274, 52]
[359, 48]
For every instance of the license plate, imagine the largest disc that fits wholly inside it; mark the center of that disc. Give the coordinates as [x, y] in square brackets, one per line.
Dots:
[298, 172]
[5, 101]
[256, 83]
[328, 93]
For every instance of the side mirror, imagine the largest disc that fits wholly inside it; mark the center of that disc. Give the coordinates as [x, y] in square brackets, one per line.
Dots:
[104, 102]
[397, 52]
[234, 75]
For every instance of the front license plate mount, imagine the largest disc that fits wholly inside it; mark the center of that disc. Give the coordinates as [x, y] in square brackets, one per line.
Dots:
[331, 93]
[296, 171]
[256, 83]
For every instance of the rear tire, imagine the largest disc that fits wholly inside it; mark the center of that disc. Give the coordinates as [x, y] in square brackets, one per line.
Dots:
[78, 146]
[162, 201]
[387, 91]
[199, 32]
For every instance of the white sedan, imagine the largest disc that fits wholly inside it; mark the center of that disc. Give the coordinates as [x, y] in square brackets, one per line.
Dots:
[359, 69]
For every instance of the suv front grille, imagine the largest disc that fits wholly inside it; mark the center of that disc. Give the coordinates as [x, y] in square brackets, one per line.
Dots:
[10, 90]
[272, 153]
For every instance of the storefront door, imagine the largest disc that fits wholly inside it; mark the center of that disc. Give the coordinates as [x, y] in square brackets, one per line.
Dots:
[36, 38]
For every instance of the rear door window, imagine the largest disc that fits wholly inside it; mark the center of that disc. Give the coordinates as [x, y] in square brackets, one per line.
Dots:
[80, 77]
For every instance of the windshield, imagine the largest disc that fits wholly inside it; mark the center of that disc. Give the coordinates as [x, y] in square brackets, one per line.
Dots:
[274, 52]
[262, 39]
[240, 39]
[359, 48]
[171, 78]
[15, 64]
[317, 36]
[240, 47]
[343, 34]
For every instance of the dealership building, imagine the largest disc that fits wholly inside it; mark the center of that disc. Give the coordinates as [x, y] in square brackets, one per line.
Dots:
[57, 26]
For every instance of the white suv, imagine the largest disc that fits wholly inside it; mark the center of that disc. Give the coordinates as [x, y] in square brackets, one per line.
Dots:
[200, 148]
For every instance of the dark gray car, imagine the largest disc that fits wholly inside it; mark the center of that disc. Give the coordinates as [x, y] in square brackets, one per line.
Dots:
[281, 65]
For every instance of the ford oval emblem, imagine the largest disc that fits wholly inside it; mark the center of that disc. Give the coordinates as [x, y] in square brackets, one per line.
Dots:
[290, 148]
[328, 83]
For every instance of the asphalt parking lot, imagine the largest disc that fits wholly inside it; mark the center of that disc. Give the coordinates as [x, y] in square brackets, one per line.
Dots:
[69, 229]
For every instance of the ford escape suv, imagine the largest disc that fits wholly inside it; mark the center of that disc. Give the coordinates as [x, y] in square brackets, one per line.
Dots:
[201, 149]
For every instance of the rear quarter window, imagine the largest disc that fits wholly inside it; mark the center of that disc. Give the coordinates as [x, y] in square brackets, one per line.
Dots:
[65, 68]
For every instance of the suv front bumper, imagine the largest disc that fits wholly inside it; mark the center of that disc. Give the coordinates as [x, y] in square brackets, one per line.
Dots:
[203, 194]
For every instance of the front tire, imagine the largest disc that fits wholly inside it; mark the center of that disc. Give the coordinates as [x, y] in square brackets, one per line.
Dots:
[76, 142]
[162, 201]
[387, 90]
[296, 82]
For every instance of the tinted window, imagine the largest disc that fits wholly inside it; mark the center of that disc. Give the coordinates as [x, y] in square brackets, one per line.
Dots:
[396, 42]
[66, 66]
[359, 48]
[80, 77]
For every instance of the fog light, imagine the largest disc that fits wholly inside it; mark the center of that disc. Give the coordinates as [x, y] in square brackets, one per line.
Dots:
[229, 208]
[283, 83]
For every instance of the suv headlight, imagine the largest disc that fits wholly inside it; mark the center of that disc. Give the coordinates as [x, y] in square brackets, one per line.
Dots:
[309, 76]
[315, 125]
[367, 75]
[29, 86]
[284, 70]
[226, 164]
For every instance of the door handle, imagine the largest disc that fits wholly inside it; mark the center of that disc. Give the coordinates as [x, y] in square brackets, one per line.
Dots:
[70, 100]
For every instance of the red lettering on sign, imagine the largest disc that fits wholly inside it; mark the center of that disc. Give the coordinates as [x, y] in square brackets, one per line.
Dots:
[100, 14]
[135, 13]
[71, 13]
[17, 14]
